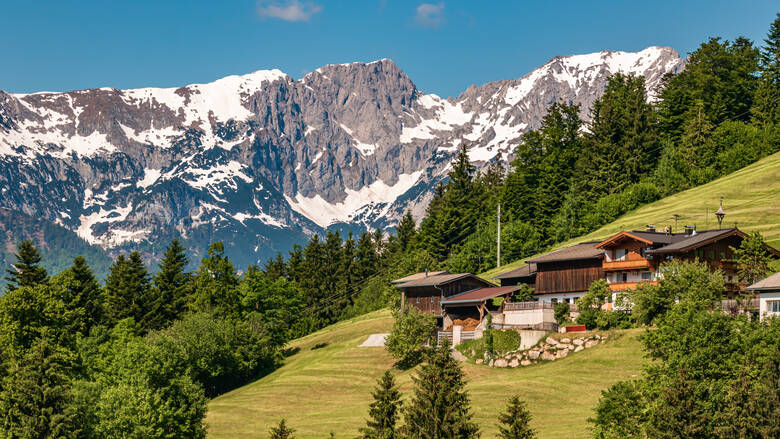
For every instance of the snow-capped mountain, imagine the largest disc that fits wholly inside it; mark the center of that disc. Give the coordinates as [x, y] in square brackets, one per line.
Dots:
[259, 161]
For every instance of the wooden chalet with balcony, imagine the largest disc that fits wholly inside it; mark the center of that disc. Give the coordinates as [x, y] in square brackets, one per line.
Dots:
[426, 291]
[634, 257]
[565, 275]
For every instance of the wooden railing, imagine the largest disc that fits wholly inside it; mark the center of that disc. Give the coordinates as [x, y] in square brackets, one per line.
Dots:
[732, 304]
[627, 265]
[527, 306]
[621, 286]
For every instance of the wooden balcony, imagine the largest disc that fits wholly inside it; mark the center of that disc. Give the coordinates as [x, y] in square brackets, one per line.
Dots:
[636, 264]
[622, 286]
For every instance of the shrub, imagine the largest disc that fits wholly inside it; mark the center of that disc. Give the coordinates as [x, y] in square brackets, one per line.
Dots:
[505, 341]
[411, 332]
[562, 310]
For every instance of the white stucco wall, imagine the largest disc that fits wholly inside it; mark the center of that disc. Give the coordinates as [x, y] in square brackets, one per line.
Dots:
[763, 303]
[560, 297]
[529, 317]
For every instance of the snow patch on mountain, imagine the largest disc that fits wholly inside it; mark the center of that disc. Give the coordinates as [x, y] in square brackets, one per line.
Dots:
[324, 213]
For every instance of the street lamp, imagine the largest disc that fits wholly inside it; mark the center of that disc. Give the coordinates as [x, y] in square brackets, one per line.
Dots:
[720, 213]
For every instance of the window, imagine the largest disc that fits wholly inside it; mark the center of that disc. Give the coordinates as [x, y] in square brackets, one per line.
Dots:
[620, 253]
[711, 255]
[418, 300]
[625, 277]
[554, 300]
[773, 306]
[646, 275]
[723, 255]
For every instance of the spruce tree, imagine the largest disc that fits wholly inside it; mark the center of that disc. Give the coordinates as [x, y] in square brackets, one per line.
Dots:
[514, 423]
[168, 298]
[36, 400]
[282, 431]
[82, 296]
[383, 412]
[405, 231]
[770, 54]
[216, 284]
[275, 268]
[127, 288]
[26, 272]
[440, 407]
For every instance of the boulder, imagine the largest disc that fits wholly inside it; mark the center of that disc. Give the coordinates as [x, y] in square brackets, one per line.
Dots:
[562, 353]
[500, 363]
[551, 341]
[591, 343]
[566, 340]
[597, 337]
[565, 346]
[548, 356]
[578, 342]
[578, 348]
[525, 363]
[534, 354]
[479, 361]
[492, 362]
[514, 363]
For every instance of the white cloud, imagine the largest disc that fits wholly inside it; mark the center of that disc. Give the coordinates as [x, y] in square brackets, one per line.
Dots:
[288, 10]
[430, 15]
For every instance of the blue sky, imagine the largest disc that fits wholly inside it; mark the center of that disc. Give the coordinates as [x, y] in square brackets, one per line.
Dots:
[443, 46]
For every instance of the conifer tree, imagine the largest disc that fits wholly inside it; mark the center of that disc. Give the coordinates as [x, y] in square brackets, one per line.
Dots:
[82, 296]
[514, 423]
[36, 400]
[405, 232]
[26, 272]
[275, 268]
[770, 54]
[383, 412]
[282, 431]
[168, 298]
[127, 288]
[216, 284]
[440, 407]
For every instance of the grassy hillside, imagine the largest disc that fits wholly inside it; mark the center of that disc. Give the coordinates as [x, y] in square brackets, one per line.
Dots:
[751, 198]
[326, 384]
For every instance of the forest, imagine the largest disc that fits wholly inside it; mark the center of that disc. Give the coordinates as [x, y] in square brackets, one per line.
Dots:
[139, 354]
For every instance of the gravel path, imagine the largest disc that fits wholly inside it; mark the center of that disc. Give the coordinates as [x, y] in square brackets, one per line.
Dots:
[374, 341]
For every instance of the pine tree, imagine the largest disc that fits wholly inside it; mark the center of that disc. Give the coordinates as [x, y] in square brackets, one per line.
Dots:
[383, 412]
[168, 298]
[440, 407]
[216, 284]
[406, 231]
[82, 296]
[515, 421]
[127, 287]
[770, 54]
[752, 258]
[26, 272]
[275, 268]
[282, 431]
[36, 400]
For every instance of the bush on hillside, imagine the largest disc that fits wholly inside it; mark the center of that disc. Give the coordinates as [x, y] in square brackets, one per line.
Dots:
[412, 332]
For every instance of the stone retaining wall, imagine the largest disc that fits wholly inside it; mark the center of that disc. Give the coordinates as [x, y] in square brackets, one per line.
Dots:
[548, 350]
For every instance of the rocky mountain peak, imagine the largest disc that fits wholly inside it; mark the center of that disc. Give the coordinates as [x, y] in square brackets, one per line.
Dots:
[261, 160]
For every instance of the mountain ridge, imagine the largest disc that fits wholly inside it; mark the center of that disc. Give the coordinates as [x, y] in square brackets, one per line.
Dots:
[250, 156]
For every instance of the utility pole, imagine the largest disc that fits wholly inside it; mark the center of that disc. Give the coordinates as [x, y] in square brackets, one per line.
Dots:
[498, 237]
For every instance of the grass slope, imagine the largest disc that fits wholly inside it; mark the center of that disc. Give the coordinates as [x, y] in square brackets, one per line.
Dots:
[751, 198]
[326, 386]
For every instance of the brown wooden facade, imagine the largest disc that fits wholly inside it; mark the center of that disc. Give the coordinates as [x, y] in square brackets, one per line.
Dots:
[428, 298]
[567, 276]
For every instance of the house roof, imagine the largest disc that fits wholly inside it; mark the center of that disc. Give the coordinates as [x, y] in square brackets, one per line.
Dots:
[697, 240]
[584, 250]
[440, 279]
[479, 295]
[770, 283]
[417, 276]
[649, 238]
[524, 271]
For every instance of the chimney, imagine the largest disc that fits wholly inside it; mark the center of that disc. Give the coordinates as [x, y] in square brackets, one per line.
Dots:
[690, 230]
[426, 271]
[650, 227]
